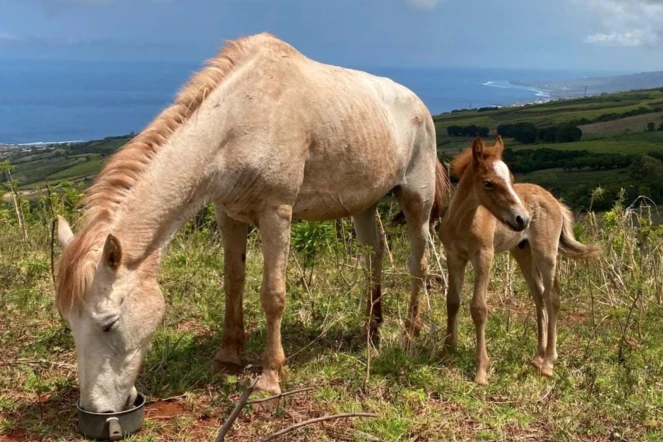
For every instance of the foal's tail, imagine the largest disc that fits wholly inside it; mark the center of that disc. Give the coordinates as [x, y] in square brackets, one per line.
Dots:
[568, 245]
[442, 185]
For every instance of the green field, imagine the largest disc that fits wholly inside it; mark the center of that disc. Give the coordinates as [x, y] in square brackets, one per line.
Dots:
[607, 383]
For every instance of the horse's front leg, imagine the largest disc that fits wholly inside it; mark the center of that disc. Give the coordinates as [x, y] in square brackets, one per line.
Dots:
[456, 267]
[482, 263]
[275, 235]
[234, 253]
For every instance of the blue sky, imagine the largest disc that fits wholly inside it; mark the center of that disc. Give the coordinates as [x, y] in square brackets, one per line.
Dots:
[625, 35]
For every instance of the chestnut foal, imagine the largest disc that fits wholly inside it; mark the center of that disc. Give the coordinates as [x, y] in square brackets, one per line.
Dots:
[489, 214]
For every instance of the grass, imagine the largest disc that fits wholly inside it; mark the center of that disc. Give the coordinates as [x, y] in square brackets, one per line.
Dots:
[607, 386]
[555, 112]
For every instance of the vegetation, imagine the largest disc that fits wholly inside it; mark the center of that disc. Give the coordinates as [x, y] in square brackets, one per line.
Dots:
[571, 147]
[607, 384]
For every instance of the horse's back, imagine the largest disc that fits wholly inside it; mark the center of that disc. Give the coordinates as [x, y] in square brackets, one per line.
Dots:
[342, 138]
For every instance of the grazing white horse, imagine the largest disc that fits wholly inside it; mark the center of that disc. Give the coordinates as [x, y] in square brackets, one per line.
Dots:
[267, 135]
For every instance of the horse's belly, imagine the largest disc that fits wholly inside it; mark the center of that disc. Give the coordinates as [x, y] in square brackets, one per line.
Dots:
[336, 201]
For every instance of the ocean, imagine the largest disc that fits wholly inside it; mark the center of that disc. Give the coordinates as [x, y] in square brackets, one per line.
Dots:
[56, 101]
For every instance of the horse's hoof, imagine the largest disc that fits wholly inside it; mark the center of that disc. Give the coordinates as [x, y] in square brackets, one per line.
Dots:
[446, 353]
[372, 336]
[480, 379]
[268, 385]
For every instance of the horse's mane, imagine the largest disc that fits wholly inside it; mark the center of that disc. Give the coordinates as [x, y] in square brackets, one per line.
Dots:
[463, 160]
[124, 168]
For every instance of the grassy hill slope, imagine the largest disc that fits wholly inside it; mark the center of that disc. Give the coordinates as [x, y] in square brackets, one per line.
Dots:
[613, 124]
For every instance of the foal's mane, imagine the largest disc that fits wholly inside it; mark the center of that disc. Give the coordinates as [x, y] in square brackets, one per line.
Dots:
[124, 168]
[463, 160]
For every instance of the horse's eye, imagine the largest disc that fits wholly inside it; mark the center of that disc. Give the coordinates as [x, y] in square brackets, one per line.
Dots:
[488, 184]
[108, 327]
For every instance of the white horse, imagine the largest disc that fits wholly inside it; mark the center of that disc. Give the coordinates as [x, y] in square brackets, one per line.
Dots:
[266, 134]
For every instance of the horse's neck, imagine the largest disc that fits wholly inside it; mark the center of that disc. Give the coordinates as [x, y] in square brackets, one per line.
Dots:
[172, 189]
[464, 204]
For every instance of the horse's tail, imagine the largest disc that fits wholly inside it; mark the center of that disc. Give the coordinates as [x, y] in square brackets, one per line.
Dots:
[441, 188]
[568, 245]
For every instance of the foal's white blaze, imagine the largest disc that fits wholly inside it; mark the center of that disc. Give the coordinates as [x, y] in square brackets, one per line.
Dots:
[518, 210]
[502, 171]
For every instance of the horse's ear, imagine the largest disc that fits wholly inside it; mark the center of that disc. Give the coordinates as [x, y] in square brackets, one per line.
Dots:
[477, 151]
[112, 254]
[64, 232]
[499, 146]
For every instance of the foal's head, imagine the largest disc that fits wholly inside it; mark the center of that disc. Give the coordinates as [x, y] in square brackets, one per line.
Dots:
[492, 183]
[113, 310]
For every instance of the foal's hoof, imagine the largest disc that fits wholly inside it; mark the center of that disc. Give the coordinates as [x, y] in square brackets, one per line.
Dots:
[537, 362]
[413, 328]
[481, 379]
[547, 370]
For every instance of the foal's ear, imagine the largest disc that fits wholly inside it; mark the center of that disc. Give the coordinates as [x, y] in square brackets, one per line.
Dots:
[64, 232]
[112, 254]
[499, 146]
[477, 151]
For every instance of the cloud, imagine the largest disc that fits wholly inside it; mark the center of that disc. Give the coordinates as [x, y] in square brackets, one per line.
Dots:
[7, 37]
[626, 23]
[427, 5]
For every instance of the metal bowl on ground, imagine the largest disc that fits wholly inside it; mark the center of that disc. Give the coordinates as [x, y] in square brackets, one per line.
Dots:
[112, 426]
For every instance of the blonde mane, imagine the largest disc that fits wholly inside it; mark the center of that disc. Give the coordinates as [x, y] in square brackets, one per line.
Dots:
[124, 168]
[463, 160]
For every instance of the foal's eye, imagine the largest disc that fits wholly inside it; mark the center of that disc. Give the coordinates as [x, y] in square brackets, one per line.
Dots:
[488, 184]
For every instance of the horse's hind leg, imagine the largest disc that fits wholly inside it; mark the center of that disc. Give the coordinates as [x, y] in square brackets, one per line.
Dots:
[368, 234]
[416, 209]
[234, 235]
[546, 263]
[524, 259]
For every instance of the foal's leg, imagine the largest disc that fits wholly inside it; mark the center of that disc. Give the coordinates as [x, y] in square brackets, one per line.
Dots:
[367, 233]
[482, 263]
[417, 214]
[234, 254]
[275, 235]
[524, 259]
[547, 266]
[456, 267]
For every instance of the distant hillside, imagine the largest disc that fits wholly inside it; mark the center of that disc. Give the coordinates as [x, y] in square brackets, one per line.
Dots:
[621, 146]
[596, 85]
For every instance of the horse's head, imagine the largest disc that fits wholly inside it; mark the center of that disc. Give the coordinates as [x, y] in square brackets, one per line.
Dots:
[113, 310]
[493, 184]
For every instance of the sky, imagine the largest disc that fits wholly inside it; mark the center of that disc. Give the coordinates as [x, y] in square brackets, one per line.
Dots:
[622, 35]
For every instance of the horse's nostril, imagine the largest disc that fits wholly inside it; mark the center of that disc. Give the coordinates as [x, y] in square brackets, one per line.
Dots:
[519, 220]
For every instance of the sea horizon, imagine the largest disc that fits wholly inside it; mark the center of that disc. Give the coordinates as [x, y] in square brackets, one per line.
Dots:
[48, 102]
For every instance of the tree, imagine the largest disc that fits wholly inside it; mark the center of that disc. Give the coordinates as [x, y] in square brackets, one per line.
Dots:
[567, 133]
[651, 127]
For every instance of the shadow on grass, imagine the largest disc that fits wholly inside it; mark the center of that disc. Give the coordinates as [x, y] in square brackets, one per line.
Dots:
[52, 417]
